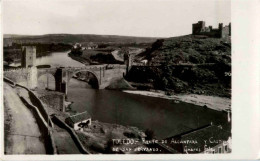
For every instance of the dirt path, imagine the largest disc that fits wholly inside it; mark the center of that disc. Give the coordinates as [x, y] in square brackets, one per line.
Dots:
[22, 135]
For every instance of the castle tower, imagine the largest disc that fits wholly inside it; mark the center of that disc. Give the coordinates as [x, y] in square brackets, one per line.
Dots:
[198, 27]
[28, 56]
[229, 26]
[220, 26]
[128, 59]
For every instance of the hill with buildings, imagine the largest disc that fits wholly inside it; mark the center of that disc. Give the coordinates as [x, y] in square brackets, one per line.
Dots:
[188, 64]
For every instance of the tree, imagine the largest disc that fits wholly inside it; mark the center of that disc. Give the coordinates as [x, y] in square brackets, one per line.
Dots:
[149, 134]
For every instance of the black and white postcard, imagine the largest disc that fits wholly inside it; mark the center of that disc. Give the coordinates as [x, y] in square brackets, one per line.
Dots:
[113, 77]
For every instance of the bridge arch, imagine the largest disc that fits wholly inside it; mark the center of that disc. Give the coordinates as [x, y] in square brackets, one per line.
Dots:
[46, 81]
[92, 79]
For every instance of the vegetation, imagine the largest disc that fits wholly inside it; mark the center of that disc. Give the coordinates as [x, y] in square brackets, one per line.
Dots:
[209, 60]
[149, 134]
[76, 38]
[76, 51]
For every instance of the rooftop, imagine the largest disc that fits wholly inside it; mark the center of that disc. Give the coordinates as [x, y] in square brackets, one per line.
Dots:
[79, 117]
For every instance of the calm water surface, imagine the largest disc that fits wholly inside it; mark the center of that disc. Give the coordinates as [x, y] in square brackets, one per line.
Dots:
[164, 116]
[56, 59]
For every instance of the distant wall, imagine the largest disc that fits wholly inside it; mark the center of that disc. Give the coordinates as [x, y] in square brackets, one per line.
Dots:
[225, 32]
[220, 32]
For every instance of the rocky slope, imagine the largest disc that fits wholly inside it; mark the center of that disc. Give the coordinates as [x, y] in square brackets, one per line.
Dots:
[209, 61]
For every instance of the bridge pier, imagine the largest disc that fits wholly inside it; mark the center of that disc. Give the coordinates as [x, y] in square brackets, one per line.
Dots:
[61, 81]
[32, 80]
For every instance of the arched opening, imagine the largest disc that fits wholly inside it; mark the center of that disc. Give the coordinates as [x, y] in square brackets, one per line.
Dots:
[46, 81]
[88, 77]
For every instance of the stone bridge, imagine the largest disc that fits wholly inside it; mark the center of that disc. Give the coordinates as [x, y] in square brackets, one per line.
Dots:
[102, 74]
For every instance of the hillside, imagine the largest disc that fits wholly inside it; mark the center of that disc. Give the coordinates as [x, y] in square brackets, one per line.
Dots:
[74, 38]
[188, 49]
[210, 72]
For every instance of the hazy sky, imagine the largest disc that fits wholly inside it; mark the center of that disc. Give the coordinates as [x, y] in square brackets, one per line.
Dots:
[156, 18]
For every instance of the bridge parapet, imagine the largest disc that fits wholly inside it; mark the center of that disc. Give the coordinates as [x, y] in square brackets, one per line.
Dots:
[30, 75]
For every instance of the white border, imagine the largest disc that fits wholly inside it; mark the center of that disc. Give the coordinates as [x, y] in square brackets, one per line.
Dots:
[245, 95]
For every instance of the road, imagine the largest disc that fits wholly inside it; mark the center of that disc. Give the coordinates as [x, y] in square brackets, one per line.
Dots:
[23, 135]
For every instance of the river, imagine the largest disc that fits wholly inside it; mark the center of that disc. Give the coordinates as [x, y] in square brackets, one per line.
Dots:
[164, 117]
[55, 59]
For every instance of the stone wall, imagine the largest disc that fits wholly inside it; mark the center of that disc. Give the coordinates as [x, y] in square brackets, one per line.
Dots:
[226, 31]
[54, 100]
[220, 32]
[44, 128]
[26, 76]
[39, 114]
[17, 75]
[28, 56]
[38, 103]
[72, 132]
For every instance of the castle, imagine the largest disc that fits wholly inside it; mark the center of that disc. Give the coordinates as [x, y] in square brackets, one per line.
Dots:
[220, 32]
[28, 56]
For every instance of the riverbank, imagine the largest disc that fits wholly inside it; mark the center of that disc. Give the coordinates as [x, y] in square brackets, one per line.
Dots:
[212, 102]
[79, 59]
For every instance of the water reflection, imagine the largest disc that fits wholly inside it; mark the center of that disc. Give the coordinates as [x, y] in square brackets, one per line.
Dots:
[56, 59]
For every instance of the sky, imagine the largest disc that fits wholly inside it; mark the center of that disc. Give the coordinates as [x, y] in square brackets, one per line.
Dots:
[149, 18]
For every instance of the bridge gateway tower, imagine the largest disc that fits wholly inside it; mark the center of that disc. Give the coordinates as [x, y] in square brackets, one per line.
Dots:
[29, 62]
[28, 56]
[128, 60]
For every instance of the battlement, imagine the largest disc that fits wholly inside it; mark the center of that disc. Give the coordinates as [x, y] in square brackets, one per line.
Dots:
[17, 69]
[220, 32]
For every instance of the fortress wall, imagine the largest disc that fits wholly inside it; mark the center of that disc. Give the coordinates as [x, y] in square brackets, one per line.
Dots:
[26, 76]
[220, 32]
[225, 32]
[17, 75]
[111, 75]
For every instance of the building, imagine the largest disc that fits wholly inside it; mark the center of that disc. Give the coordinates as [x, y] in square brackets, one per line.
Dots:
[209, 139]
[220, 32]
[79, 121]
[90, 45]
[28, 56]
[77, 45]
[128, 59]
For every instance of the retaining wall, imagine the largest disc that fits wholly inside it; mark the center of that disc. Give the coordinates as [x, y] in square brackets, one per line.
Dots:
[44, 128]
[73, 134]
[10, 82]
[54, 100]
[38, 103]
[43, 125]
